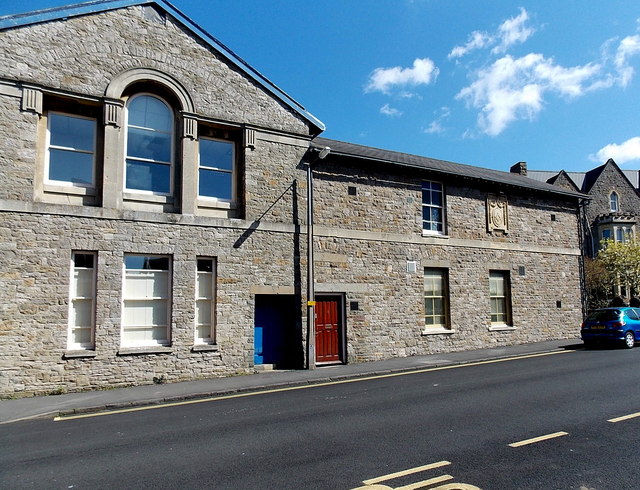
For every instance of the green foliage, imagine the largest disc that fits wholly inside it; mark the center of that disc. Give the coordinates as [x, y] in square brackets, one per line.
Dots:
[599, 284]
[621, 260]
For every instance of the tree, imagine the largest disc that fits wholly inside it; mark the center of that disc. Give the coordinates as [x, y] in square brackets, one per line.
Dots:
[621, 260]
[599, 283]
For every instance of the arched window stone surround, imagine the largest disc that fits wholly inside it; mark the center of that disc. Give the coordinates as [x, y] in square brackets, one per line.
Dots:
[119, 84]
[114, 139]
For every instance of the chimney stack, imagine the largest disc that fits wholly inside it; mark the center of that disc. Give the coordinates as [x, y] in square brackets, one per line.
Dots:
[519, 168]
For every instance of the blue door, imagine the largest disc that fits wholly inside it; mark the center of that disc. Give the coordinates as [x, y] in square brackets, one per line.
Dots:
[274, 329]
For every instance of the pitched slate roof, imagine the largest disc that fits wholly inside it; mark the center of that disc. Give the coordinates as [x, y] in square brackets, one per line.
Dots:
[584, 180]
[342, 148]
[97, 6]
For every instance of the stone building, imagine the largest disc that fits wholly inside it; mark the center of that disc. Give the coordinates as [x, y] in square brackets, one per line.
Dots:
[153, 214]
[612, 209]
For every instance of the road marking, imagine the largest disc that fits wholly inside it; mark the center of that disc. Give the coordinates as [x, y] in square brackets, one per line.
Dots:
[411, 471]
[538, 439]
[61, 418]
[426, 483]
[625, 417]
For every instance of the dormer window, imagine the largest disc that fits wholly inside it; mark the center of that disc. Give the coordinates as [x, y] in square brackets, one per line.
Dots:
[150, 146]
[613, 202]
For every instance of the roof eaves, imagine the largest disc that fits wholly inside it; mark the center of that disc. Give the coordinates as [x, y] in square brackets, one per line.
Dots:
[542, 187]
[97, 6]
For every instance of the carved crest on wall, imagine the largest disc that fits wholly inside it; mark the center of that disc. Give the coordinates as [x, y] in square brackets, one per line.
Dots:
[497, 213]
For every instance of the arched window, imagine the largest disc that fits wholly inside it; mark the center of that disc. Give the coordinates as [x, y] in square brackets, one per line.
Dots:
[613, 202]
[150, 145]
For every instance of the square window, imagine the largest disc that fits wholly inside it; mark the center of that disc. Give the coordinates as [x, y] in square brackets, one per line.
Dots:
[146, 300]
[71, 147]
[216, 169]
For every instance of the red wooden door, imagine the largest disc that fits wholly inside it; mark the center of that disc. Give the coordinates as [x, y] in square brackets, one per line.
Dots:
[328, 329]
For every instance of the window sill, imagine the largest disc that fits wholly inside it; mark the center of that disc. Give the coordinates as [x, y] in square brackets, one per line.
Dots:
[133, 351]
[214, 203]
[143, 197]
[79, 354]
[438, 331]
[429, 234]
[501, 328]
[69, 189]
[205, 348]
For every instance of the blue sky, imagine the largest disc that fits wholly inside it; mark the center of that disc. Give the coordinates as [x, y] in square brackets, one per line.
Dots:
[553, 83]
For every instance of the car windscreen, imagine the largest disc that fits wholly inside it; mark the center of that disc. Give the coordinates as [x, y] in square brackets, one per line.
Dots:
[604, 316]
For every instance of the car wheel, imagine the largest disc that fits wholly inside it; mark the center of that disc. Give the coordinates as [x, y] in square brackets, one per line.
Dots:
[629, 340]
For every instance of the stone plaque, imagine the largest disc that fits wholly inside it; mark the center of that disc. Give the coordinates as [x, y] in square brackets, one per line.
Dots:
[497, 214]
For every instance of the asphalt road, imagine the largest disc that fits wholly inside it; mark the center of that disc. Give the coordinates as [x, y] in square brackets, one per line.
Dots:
[449, 426]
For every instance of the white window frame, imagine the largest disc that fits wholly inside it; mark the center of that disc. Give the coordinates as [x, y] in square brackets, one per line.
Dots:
[503, 296]
[442, 206]
[622, 234]
[49, 147]
[170, 164]
[442, 275]
[205, 301]
[614, 202]
[129, 300]
[75, 298]
[206, 167]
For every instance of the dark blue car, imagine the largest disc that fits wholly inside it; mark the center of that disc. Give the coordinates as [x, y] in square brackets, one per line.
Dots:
[616, 324]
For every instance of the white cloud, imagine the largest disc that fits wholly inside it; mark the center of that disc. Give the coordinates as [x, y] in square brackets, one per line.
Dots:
[513, 88]
[627, 48]
[434, 128]
[423, 72]
[512, 31]
[622, 153]
[477, 40]
[387, 110]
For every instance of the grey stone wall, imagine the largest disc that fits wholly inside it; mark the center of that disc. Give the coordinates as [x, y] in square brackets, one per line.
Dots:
[389, 200]
[611, 179]
[390, 318]
[83, 54]
[36, 253]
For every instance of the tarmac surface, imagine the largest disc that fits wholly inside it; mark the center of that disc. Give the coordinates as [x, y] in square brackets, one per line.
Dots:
[95, 401]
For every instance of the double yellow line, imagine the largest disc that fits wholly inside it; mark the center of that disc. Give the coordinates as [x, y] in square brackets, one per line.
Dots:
[301, 387]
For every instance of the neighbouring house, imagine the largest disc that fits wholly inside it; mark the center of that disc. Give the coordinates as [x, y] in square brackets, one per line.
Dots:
[612, 210]
[153, 213]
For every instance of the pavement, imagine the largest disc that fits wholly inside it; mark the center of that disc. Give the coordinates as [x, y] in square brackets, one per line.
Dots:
[96, 401]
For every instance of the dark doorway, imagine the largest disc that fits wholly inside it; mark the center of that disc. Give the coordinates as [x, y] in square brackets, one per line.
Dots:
[275, 331]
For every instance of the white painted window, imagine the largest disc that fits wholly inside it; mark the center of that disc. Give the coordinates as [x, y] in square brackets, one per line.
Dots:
[432, 208]
[82, 301]
[205, 301]
[499, 293]
[71, 148]
[613, 202]
[216, 173]
[150, 145]
[435, 298]
[146, 300]
[623, 233]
